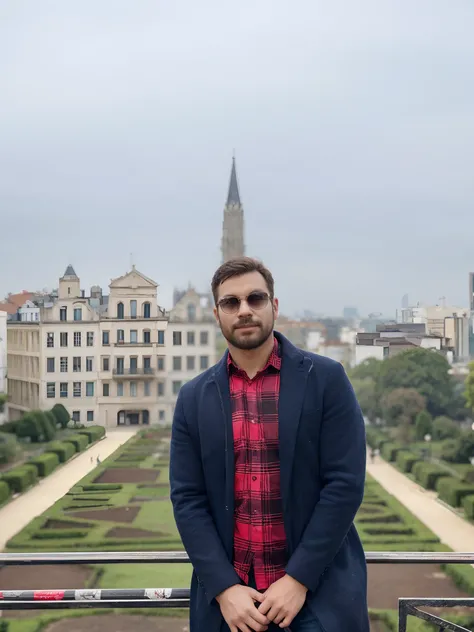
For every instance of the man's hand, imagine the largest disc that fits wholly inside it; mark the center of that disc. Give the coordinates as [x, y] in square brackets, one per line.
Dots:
[237, 605]
[283, 600]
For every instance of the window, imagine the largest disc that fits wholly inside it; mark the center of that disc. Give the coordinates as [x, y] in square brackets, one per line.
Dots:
[146, 389]
[190, 337]
[63, 364]
[204, 337]
[63, 339]
[161, 389]
[120, 366]
[176, 363]
[105, 364]
[51, 390]
[76, 416]
[77, 339]
[63, 313]
[161, 363]
[120, 336]
[76, 364]
[63, 389]
[105, 338]
[90, 415]
[161, 415]
[77, 389]
[50, 340]
[134, 365]
[50, 365]
[161, 336]
[146, 310]
[90, 338]
[133, 309]
[176, 386]
[133, 336]
[204, 362]
[133, 389]
[105, 389]
[176, 338]
[147, 337]
[190, 363]
[119, 389]
[89, 363]
[120, 311]
[191, 312]
[89, 389]
[78, 313]
[147, 365]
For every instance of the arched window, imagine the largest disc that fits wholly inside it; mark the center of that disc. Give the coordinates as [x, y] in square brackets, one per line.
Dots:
[191, 312]
[146, 310]
[120, 312]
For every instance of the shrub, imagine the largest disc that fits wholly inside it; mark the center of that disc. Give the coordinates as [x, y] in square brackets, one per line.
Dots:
[79, 441]
[63, 449]
[468, 504]
[423, 424]
[61, 415]
[58, 534]
[93, 433]
[46, 463]
[20, 478]
[445, 428]
[461, 449]
[390, 451]
[10, 426]
[8, 448]
[102, 487]
[4, 492]
[452, 490]
[428, 474]
[406, 460]
[29, 427]
[48, 427]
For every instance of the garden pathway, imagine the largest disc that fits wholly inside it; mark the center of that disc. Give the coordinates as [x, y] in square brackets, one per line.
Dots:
[20, 511]
[451, 529]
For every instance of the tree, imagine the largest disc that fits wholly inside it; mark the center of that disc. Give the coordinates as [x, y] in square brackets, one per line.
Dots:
[365, 392]
[61, 415]
[47, 425]
[423, 370]
[459, 450]
[8, 448]
[402, 405]
[369, 368]
[28, 426]
[445, 428]
[469, 388]
[3, 401]
[423, 424]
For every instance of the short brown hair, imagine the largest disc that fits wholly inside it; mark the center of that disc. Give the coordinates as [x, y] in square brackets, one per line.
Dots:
[238, 267]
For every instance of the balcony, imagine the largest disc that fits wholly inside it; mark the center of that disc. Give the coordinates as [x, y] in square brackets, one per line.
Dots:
[132, 344]
[59, 598]
[127, 374]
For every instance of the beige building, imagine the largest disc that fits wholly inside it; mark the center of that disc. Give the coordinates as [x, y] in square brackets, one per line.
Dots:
[116, 359]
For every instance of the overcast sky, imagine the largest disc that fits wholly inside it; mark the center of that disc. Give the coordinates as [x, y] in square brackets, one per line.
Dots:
[352, 122]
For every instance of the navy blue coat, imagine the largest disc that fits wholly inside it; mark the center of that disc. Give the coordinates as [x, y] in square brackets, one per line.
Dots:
[322, 457]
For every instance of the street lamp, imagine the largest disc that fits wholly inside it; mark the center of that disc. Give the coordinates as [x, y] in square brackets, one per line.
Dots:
[427, 438]
[472, 460]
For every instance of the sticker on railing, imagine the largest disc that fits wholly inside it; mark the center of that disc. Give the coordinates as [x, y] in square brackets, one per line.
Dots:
[11, 594]
[158, 593]
[48, 595]
[87, 595]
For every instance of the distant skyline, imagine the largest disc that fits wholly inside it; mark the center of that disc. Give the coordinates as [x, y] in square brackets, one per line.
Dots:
[352, 123]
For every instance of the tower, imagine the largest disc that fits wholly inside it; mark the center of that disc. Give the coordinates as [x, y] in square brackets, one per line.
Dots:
[69, 284]
[233, 223]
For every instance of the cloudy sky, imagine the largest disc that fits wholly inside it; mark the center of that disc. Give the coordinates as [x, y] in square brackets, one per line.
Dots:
[352, 122]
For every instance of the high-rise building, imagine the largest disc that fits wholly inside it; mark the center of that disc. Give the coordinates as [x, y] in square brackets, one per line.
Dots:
[233, 224]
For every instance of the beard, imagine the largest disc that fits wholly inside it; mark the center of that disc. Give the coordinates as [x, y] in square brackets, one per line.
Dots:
[248, 340]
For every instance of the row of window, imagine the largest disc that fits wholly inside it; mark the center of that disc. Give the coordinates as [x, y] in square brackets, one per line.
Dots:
[77, 313]
[76, 415]
[79, 363]
[65, 391]
[133, 338]
[146, 310]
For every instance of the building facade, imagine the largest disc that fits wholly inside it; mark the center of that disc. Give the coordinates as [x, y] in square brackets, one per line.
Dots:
[111, 360]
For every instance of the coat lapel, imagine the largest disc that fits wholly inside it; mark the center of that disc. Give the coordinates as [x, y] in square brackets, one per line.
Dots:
[293, 378]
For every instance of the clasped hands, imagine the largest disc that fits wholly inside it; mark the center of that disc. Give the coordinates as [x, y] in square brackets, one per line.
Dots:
[279, 604]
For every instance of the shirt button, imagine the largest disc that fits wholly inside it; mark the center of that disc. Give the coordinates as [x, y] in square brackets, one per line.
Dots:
[254, 478]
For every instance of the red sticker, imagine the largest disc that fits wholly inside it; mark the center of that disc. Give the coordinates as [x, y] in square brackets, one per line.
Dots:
[48, 595]
[1, 595]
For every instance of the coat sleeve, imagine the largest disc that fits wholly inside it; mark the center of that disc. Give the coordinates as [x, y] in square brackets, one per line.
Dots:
[343, 463]
[192, 514]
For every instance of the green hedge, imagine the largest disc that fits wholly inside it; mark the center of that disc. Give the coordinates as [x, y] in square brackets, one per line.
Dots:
[46, 463]
[102, 487]
[93, 433]
[58, 534]
[20, 478]
[390, 450]
[79, 441]
[428, 474]
[452, 490]
[63, 449]
[406, 460]
[4, 492]
[468, 504]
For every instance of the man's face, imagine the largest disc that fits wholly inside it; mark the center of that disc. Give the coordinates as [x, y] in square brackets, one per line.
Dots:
[244, 311]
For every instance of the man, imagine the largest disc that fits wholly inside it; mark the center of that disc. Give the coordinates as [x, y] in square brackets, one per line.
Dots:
[267, 473]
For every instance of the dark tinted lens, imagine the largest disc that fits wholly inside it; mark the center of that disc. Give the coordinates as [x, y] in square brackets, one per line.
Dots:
[257, 300]
[230, 304]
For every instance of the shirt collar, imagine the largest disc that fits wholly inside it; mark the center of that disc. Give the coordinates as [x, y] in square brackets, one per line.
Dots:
[274, 359]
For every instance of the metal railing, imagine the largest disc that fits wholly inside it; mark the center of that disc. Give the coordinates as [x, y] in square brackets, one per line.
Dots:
[56, 599]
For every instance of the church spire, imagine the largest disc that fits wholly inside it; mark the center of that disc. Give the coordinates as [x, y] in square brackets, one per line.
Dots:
[233, 196]
[233, 244]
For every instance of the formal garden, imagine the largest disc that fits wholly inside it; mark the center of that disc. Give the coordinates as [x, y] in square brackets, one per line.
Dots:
[123, 505]
[36, 445]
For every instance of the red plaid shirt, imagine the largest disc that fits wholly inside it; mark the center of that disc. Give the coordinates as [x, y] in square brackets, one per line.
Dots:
[259, 534]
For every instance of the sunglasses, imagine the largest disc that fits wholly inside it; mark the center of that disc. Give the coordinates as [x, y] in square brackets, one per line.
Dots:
[255, 300]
